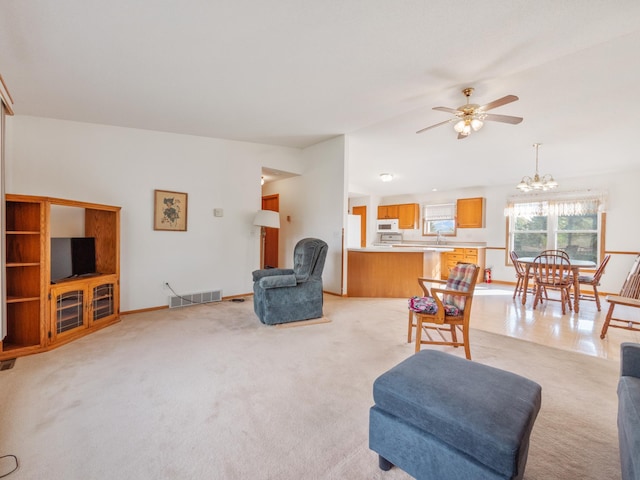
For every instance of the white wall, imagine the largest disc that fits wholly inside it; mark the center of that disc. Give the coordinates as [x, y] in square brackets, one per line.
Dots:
[622, 225]
[121, 166]
[316, 205]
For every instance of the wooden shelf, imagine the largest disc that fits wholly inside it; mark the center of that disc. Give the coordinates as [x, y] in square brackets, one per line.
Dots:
[22, 299]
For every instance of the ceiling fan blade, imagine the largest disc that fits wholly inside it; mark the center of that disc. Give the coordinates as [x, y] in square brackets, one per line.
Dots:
[447, 109]
[461, 136]
[433, 126]
[502, 118]
[498, 103]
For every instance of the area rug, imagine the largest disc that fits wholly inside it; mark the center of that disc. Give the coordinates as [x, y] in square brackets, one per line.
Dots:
[208, 392]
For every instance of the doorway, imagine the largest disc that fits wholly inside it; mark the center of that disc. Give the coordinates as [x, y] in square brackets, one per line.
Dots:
[271, 202]
[362, 211]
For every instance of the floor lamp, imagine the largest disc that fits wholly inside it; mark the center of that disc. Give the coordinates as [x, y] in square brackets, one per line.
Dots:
[265, 219]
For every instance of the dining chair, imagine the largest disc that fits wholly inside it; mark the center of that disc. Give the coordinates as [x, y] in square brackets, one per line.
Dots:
[556, 252]
[445, 311]
[629, 296]
[593, 281]
[552, 271]
[521, 275]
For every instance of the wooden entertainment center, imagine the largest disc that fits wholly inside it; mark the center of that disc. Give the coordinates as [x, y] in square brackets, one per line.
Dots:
[40, 315]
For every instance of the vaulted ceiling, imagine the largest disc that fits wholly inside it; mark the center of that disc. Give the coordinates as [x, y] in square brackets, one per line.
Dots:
[297, 72]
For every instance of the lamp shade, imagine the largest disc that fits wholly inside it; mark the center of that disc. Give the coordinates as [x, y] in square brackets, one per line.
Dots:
[267, 218]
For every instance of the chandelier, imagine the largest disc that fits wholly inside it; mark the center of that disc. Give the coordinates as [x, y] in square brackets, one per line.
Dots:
[546, 182]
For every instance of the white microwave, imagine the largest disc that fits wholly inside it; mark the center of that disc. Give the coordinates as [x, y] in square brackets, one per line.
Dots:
[388, 225]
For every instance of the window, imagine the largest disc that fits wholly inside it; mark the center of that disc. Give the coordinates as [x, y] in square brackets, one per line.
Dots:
[439, 219]
[574, 225]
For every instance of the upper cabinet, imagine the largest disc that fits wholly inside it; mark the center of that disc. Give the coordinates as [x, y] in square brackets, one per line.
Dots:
[408, 214]
[470, 212]
[387, 211]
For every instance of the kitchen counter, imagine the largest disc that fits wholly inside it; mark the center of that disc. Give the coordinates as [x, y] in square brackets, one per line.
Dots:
[391, 272]
[402, 248]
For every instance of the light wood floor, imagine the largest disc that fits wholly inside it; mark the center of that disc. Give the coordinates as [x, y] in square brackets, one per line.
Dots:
[495, 311]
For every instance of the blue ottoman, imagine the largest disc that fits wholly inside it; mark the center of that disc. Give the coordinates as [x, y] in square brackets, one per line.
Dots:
[438, 416]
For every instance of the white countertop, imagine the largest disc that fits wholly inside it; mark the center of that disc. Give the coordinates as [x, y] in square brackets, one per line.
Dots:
[442, 245]
[418, 246]
[403, 249]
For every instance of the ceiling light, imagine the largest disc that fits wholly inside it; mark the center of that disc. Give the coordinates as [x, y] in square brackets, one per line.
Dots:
[386, 177]
[546, 182]
[468, 123]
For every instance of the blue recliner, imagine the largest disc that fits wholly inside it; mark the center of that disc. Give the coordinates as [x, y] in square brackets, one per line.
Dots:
[282, 295]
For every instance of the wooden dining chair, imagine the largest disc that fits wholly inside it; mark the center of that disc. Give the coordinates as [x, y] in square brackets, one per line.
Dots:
[593, 281]
[552, 271]
[521, 275]
[556, 252]
[629, 297]
[444, 311]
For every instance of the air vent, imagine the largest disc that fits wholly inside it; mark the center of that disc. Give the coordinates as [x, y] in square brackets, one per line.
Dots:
[7, 364]
[195, 298]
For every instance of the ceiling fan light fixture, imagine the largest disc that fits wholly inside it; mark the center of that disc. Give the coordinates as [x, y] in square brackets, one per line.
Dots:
[470, 117]
[536, 183]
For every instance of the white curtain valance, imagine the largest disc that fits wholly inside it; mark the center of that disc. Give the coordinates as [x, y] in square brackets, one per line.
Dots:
[444, 211]
[561, 204]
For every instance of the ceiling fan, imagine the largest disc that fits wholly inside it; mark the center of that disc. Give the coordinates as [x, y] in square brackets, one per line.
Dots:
[471, 117]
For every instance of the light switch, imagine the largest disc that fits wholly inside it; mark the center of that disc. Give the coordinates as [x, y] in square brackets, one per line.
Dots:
[218, 212]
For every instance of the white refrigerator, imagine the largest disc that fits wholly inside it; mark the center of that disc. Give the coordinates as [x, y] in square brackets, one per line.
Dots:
[353, 231]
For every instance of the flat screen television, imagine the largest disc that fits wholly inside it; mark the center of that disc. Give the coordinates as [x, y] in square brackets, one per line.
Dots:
[72, 257]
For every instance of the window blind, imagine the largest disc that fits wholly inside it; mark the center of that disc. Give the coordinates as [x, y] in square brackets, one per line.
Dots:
[444, 211]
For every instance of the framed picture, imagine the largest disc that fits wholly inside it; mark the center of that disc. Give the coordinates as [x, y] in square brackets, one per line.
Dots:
[170, 211]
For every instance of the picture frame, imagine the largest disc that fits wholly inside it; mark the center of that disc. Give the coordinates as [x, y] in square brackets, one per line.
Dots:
[170, 211]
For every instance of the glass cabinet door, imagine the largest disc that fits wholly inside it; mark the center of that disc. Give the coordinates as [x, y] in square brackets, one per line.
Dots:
[69, 310]
[102, 301]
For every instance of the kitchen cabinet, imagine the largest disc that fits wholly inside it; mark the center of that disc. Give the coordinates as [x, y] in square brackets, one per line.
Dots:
[387, 211]
[408, 214]
[449, 260]
[470, 212]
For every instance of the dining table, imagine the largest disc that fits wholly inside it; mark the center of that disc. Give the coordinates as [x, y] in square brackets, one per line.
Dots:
[576, 265]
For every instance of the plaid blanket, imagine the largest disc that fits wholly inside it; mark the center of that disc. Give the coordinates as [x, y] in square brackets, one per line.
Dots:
[460, 279]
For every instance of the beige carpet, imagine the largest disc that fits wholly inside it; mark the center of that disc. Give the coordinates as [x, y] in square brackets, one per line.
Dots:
[207, 392]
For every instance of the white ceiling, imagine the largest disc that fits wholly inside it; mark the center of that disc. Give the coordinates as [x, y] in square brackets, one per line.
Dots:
[296, 72]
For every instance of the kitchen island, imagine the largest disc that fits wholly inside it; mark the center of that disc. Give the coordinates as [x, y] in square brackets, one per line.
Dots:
[391, 271]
